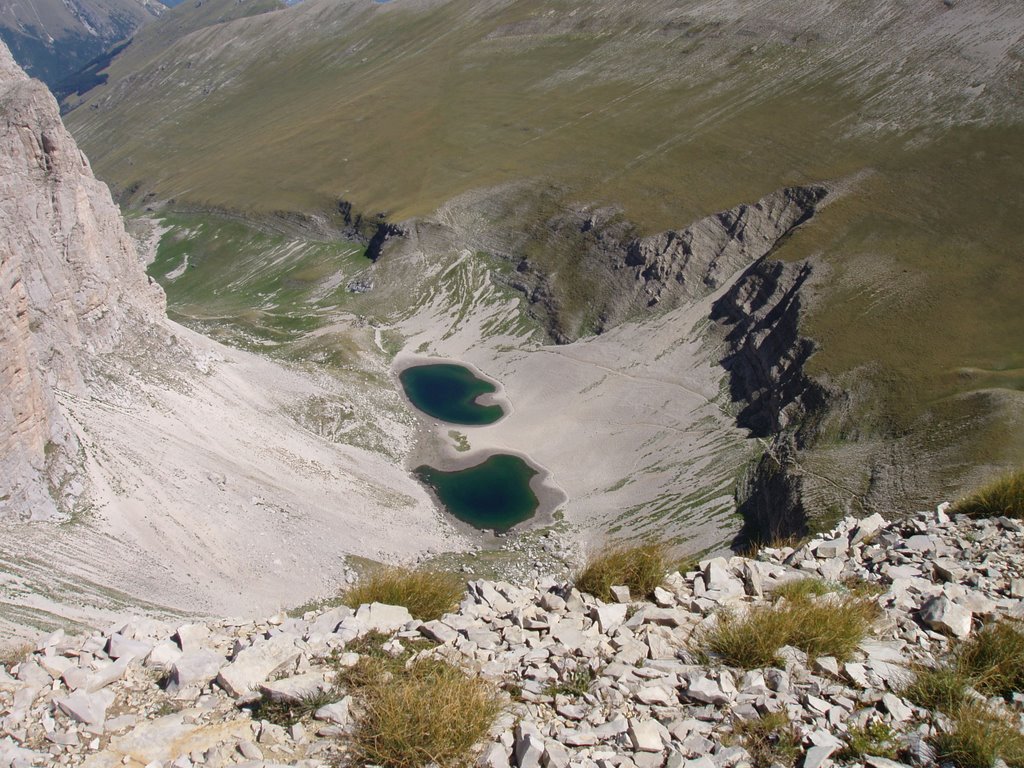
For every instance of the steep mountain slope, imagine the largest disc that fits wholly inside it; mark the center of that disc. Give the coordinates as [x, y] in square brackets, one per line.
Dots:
[567, 133]
[188, 476]
[52, 39]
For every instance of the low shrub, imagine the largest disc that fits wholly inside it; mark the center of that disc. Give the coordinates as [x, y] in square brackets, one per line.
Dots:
[1003, 497]
[978, 738]
[427, 594]
[430, 713]
[770, 740]
[832, 627]
[641, 568]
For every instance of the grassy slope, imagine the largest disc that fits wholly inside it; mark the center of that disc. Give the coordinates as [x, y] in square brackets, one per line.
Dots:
[667, 112]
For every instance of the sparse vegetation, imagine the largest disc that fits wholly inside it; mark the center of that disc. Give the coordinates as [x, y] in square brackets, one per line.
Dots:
[822, 627]
[460, 440]
[641, 568]
[876, 738]
[427, 594]
[575, 683]
[990, 662]
[770, 739]
[287, 713]
[1003, 497]
[802, 589]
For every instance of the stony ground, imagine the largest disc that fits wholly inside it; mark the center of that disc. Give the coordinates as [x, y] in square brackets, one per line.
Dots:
[586, 683]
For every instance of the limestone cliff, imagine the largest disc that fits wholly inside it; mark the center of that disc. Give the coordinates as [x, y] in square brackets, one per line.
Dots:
[72, 288]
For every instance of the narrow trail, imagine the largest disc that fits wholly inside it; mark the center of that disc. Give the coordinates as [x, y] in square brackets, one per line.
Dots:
[621, 374]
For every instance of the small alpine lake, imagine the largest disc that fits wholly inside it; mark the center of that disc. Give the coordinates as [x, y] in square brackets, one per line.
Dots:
[494, 494]
[449, 392]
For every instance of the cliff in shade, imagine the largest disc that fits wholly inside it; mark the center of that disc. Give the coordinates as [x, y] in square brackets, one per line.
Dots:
[72, 288]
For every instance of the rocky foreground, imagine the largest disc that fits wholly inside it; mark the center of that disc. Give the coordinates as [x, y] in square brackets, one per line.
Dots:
[144, 693]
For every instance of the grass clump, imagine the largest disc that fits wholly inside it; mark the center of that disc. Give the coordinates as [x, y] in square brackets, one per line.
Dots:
[430, 713]
[427, 594]
[641, 568]
[876, 738]
[832, 627]
[769, 739]
[802, 589]
[943, 689]
[978, 737]
[1003, 497]
[991, 662]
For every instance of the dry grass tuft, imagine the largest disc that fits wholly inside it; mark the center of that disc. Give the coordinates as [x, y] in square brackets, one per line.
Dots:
[430, 713]
[14, 654]
[978, 738]
[427, 594]
[829, 627]
[641, 568]
[770, 740]
[1003, 497]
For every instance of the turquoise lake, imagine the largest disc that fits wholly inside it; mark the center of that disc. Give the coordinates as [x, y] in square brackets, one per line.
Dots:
[494, 494]
[448, 392]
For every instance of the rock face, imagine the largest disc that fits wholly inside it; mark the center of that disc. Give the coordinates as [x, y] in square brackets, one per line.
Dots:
[72, 289]
[627, 277]
[676, 266]
[765, 357]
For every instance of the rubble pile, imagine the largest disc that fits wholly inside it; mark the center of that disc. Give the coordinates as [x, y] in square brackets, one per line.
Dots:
[625, 684]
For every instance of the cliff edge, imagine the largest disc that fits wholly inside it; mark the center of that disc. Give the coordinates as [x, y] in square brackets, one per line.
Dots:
[72, 287]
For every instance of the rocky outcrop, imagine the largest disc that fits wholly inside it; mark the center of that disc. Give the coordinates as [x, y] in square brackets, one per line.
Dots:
[766, 353]
[72, 288]
[597, 255]
[765, 360]
[674, 267]
[588, 683]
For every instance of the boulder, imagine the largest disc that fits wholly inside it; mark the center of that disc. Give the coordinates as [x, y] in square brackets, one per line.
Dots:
[196, 668]
[378, 617]
[943, 615]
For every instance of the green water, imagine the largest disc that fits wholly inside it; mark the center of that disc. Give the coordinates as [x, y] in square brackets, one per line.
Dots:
[495, 494]
[449, 392]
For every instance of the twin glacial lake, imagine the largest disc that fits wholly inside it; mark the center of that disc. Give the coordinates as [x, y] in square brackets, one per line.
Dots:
[494, 494]
[448, 392]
